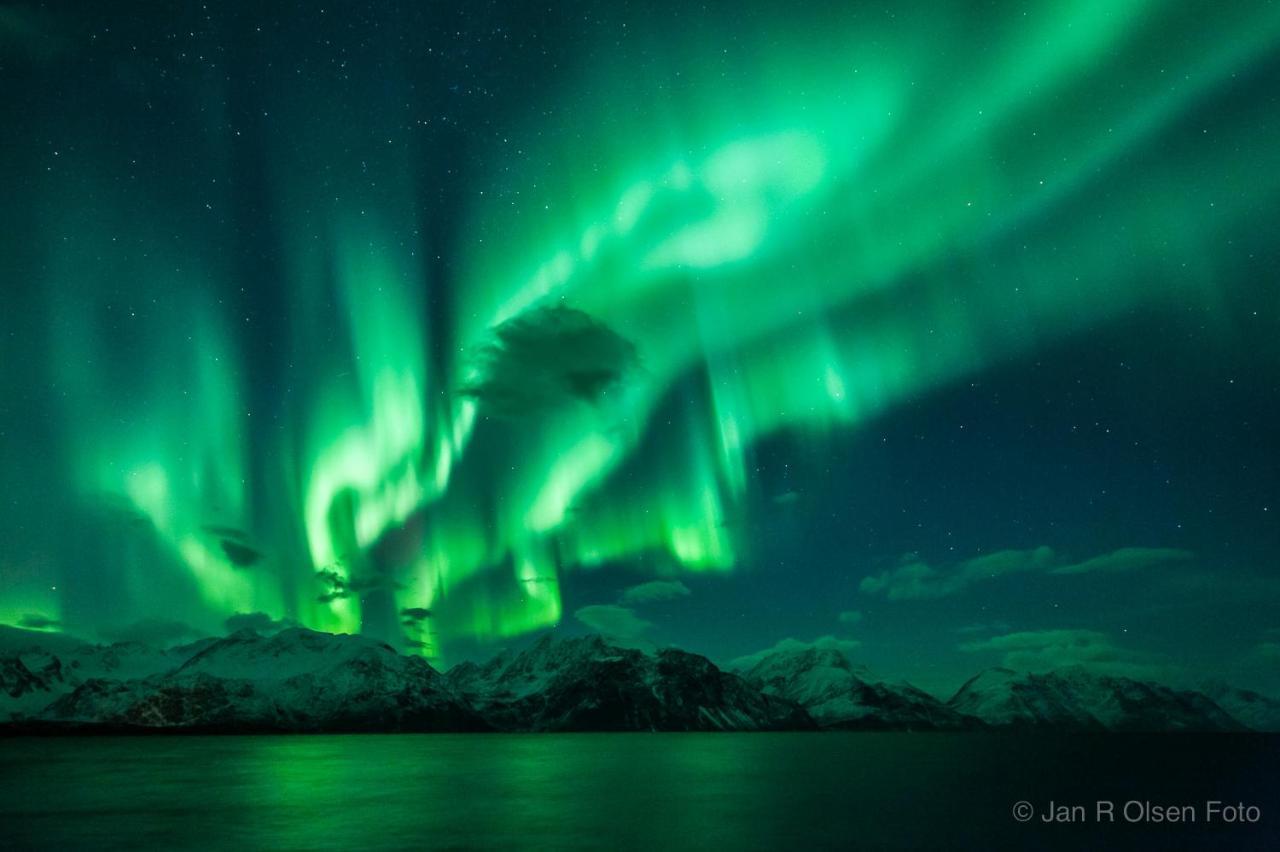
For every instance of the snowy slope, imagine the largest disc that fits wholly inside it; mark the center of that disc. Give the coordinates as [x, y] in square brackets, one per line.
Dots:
[1075, 699]
[590, 684]
[296, 680]
[1256, 711]
[838, 694]
[36, 667]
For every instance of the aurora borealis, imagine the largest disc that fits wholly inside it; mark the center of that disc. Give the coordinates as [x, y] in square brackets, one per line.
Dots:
[444, 322]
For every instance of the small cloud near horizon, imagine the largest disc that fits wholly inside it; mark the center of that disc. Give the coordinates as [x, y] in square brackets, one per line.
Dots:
[36, 621]
[984, 627]
[1040, 651]
[259, 622]
[1127, 559]
[654, 591]
[915, 579]
[612, 620]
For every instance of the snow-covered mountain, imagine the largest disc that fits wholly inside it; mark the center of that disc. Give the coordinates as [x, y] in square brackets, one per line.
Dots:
[1075, 699]
[838, 694]
[296, 680]
[301, 680]
[590, 684]
[36, 667]
[1253, 709]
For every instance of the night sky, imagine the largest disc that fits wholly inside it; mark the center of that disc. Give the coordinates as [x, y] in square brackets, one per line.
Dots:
[947, 334]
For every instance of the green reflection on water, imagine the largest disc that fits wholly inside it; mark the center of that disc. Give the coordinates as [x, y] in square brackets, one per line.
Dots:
[587, 791]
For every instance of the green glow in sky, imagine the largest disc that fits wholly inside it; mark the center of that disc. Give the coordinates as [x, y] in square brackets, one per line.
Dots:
[848, 214]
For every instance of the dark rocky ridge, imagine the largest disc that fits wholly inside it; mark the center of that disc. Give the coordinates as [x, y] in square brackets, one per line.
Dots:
[588, 684]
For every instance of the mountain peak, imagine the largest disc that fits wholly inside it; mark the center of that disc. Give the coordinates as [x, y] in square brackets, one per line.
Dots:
[297, 679]
[592, 683]
[839, 694]
[1074, 698]
[789, 661]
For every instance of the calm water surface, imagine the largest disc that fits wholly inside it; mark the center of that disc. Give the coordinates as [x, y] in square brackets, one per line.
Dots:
[632, 791]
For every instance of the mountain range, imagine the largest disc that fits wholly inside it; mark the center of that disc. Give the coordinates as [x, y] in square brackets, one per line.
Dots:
[1075, 699]
[300, 680]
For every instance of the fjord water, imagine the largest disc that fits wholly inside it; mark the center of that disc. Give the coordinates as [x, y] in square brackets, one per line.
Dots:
[642, 791]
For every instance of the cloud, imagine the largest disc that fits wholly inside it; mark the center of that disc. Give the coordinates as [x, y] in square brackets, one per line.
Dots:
[620, 620]
[612, 620]
[340, 587]
[258, 622]
[416, 621]
[36, 621]
[157, 632]
[850, 616]
[1126, 559]
[654, 591]
[546, 357]
[337, 585]
[844, 646]
[915, 579]
[1044, 650]
[984, 627]
[414, 615]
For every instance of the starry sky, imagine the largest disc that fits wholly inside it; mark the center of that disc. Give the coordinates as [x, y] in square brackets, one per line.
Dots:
[944, 334]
